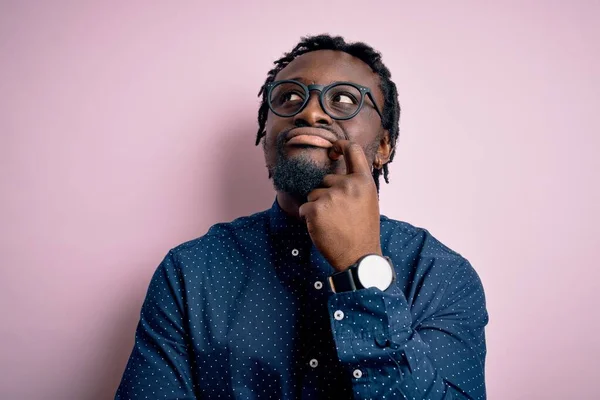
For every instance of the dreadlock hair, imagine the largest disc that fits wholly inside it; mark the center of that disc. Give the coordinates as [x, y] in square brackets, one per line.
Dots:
[362, 51]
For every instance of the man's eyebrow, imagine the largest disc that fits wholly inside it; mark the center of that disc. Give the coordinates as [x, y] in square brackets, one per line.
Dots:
[306, 81]
[299, 79]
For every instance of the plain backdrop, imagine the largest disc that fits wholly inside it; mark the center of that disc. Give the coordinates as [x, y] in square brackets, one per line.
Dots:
[128, 127]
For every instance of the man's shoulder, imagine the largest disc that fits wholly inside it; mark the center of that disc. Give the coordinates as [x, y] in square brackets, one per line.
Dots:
[407, 237]
[423, 260]
[224, 233]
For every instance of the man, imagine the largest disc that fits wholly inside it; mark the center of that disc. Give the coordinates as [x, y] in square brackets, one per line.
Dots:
[319, 296]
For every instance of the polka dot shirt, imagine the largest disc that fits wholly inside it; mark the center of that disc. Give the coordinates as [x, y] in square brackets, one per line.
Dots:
[246, 312]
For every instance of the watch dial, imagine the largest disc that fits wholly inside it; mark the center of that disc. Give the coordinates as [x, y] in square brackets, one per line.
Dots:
[375, 271]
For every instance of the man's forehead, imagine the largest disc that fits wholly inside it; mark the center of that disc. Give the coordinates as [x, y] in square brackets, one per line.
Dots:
[326, 66]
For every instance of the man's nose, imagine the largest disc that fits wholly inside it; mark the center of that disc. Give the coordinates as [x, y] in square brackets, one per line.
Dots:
[312, 114]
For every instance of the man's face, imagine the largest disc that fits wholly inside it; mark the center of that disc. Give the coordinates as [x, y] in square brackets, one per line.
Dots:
[297, 167]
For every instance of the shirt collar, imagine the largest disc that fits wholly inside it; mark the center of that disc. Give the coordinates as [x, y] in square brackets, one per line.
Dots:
[282, 224]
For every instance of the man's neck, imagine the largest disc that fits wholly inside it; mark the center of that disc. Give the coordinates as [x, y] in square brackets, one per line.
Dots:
[289, 204]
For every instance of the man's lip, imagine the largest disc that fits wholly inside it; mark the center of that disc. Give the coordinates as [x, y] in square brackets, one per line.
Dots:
[312, 137]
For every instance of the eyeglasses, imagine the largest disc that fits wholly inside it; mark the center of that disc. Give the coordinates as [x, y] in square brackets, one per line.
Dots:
[340, 100]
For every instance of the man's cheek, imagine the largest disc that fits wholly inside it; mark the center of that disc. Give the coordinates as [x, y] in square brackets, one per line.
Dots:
[270, 153]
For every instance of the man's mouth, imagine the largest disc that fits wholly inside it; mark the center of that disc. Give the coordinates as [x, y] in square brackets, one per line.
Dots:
[309, 141]
[311, 137]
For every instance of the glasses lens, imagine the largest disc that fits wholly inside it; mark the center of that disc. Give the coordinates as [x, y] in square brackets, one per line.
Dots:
[287, 98]
[342, 101]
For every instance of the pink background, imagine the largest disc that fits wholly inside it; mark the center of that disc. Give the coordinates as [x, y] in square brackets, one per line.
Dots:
[128, 129]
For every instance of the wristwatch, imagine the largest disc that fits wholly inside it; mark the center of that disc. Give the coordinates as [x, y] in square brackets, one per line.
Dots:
[371, 270]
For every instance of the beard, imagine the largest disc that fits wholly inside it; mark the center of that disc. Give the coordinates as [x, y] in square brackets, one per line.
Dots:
[296, 176]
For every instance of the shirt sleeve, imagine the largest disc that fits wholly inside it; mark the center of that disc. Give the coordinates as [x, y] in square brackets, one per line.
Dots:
[159, 365]
[390, 355]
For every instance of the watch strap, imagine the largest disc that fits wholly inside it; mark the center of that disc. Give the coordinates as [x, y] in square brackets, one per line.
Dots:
[345, 281]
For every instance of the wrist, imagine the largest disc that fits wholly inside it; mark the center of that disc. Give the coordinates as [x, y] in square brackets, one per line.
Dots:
[371, 270]
[345, 261]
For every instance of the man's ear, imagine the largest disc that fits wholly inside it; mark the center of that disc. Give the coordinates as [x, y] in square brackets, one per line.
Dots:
[384, 151]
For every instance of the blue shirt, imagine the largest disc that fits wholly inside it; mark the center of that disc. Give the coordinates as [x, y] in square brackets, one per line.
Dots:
[246, 312]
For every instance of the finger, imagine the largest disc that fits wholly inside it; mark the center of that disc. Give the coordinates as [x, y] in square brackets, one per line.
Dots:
[332, 180]
[306, 210]
[354, 156]
[316, 194]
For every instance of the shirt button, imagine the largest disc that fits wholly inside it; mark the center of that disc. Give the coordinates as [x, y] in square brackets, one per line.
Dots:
[338, 315]
[295, 252]
[318, 285]
[313, 363]
[357, 373]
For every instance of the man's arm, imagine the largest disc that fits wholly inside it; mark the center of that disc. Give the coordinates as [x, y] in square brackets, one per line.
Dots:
[159, 365]
[387, 353]
[391, 357]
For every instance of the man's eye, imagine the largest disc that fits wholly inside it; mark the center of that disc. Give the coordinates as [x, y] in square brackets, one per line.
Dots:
[291, 96]
[344, 98]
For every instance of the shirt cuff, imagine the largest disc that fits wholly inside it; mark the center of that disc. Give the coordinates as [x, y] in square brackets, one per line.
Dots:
[368, 317]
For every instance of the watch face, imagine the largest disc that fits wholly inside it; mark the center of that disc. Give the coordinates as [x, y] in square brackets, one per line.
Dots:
[375, 271]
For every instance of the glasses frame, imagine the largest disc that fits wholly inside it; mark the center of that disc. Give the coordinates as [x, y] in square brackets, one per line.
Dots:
[363, 90]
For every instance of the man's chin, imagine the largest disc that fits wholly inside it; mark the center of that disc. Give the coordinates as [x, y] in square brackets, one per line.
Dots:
[317, 155]
[298, 174]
